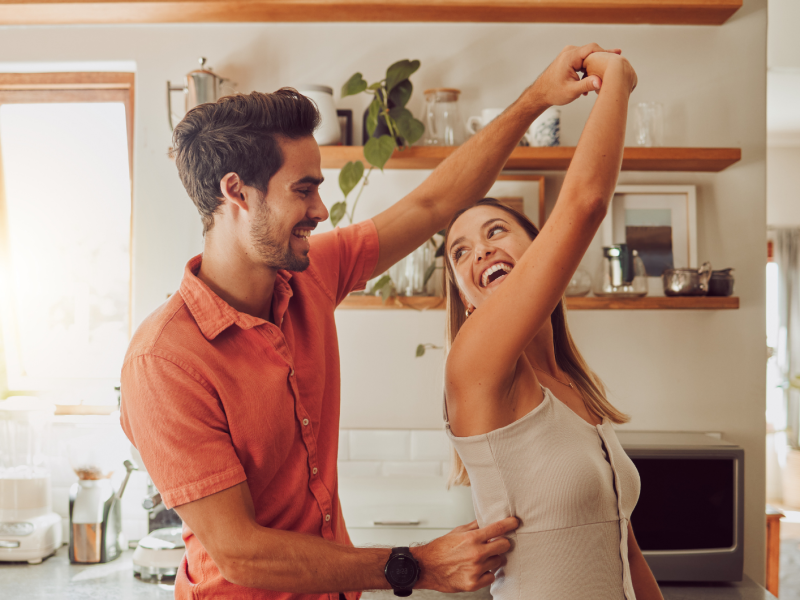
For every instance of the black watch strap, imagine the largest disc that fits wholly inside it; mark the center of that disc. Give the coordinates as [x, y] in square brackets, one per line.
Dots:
[402, 553]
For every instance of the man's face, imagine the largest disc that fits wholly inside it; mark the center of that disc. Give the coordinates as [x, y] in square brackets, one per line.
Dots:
[284, 218]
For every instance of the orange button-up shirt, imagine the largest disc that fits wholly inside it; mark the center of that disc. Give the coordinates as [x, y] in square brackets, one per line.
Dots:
[212, 397]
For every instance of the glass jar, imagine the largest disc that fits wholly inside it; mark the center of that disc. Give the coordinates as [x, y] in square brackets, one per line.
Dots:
[443, 126]
[622, 273]
[408, 275]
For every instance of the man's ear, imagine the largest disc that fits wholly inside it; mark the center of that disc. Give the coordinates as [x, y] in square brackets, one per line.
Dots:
[232, 189]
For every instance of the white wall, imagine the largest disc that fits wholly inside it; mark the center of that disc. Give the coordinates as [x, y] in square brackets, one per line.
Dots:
[783, 186]
[670, 370]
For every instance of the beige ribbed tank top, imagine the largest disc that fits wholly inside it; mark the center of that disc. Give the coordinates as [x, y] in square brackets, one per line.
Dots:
[573, 489]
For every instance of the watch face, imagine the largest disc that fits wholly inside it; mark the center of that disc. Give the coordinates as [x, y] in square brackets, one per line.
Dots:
[401, 571]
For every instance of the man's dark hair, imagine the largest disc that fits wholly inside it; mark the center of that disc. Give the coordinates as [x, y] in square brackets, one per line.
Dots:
[237, 134]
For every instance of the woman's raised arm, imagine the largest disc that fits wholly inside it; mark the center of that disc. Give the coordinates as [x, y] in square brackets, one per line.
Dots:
[486, 350]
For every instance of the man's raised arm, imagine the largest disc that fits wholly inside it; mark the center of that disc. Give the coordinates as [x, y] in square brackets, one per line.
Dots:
[467, 174]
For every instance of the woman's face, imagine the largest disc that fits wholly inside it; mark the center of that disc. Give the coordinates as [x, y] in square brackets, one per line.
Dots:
[483, 246]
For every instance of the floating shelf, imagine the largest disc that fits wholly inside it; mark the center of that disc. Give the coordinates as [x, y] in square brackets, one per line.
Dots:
[646, 303]
[711, 160]
[659, 12]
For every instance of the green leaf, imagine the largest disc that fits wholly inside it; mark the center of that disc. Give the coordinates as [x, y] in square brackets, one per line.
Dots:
[338, 211]
[375, 86]
[401, 93]
[398, 113]
[354, 85]
[420, 350]
[372, 116]
[378, 150]
[380, 284]
[387, 291]
[399, 71]
[349, 177]
[429, 272]
[410, 129]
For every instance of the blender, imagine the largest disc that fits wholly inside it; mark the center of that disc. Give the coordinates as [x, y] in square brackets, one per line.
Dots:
[95, 514]
[29, 529]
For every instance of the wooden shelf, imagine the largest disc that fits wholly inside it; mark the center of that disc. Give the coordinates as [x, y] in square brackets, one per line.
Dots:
[647, 303]
[660, 12]
[711, 160]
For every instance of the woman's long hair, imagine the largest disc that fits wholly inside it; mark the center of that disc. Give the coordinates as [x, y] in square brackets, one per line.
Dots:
[568, 357]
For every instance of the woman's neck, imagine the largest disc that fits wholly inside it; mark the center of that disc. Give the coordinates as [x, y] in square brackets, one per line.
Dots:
[541, 351]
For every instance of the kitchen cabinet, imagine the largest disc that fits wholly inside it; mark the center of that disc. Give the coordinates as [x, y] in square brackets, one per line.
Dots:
[658, 12]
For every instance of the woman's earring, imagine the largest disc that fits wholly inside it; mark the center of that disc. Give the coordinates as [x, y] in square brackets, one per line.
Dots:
[469, 312]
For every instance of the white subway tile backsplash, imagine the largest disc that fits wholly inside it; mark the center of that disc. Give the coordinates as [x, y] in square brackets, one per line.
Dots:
[380, 444]
[429, 445]
[411, 469]
[134, 529]
[344, 445]
[359, 468]
[61, 501]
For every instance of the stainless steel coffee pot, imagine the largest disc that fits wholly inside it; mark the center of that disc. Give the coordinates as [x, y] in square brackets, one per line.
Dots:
[202, 85]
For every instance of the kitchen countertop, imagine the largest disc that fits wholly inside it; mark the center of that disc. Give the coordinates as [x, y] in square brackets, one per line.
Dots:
[56, 578]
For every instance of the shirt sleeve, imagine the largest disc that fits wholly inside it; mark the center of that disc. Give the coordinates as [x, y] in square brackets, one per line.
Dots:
[176, 422]
[344, 259]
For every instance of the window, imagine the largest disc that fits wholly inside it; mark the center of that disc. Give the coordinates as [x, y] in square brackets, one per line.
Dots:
[65, 230]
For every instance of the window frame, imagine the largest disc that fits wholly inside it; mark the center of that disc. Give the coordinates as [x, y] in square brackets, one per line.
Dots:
[83, 87]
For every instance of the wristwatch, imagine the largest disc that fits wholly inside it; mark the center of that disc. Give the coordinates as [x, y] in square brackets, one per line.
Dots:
[402, 571]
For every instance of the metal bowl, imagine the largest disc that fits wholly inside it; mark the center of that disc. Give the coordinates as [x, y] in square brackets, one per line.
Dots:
[686, 282]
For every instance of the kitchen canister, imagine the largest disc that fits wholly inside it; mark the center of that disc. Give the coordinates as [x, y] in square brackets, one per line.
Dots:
[329, 133]
[546, 129]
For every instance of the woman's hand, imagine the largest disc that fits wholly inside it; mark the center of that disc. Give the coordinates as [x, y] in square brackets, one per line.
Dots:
[560, 83]
[596, 64]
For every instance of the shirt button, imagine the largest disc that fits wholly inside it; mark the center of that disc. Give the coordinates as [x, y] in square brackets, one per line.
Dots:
[314, 470]
[305, 422]
[327, 518]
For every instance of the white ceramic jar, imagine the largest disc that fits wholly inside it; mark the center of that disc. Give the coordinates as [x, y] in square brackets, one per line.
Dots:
[328, 133]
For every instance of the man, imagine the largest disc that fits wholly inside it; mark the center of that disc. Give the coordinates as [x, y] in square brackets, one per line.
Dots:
[231, 389]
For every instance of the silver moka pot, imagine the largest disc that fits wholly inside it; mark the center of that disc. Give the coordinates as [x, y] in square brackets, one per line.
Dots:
[95, 518]
[202, 85]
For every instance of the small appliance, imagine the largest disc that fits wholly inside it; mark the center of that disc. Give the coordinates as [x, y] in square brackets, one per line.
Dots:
[689, 521]
[29, 529]
[95, 514]
[159, 554]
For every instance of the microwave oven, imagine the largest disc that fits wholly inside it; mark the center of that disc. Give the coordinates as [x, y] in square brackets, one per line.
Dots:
[689, 520]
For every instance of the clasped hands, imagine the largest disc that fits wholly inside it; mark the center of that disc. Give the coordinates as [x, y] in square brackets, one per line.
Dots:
[561, 82]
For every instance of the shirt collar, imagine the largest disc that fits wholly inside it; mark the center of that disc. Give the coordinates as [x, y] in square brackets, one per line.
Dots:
[212, 314]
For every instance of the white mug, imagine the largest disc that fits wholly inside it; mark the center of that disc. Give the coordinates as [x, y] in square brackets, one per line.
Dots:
[546, 129]
[475, 124]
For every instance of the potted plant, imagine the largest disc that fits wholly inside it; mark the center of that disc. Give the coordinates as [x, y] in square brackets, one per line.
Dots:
[390, 126]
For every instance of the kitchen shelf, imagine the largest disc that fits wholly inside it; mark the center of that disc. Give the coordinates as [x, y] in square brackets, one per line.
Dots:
[646, 303]
[711, 160]
[659, 12]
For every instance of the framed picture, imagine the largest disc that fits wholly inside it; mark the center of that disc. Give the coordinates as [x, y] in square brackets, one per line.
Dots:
[524, 193]
[658, 221]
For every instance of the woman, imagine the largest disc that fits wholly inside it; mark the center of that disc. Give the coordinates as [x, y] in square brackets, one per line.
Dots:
[525, 414]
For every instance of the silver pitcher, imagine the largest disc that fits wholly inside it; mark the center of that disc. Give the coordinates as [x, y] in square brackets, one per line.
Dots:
[202, 85]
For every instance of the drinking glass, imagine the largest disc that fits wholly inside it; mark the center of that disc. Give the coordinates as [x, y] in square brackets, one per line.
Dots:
[649, 124]
[443, 125]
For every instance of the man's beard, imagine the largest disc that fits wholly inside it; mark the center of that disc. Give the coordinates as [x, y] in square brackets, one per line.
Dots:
[268, 245]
